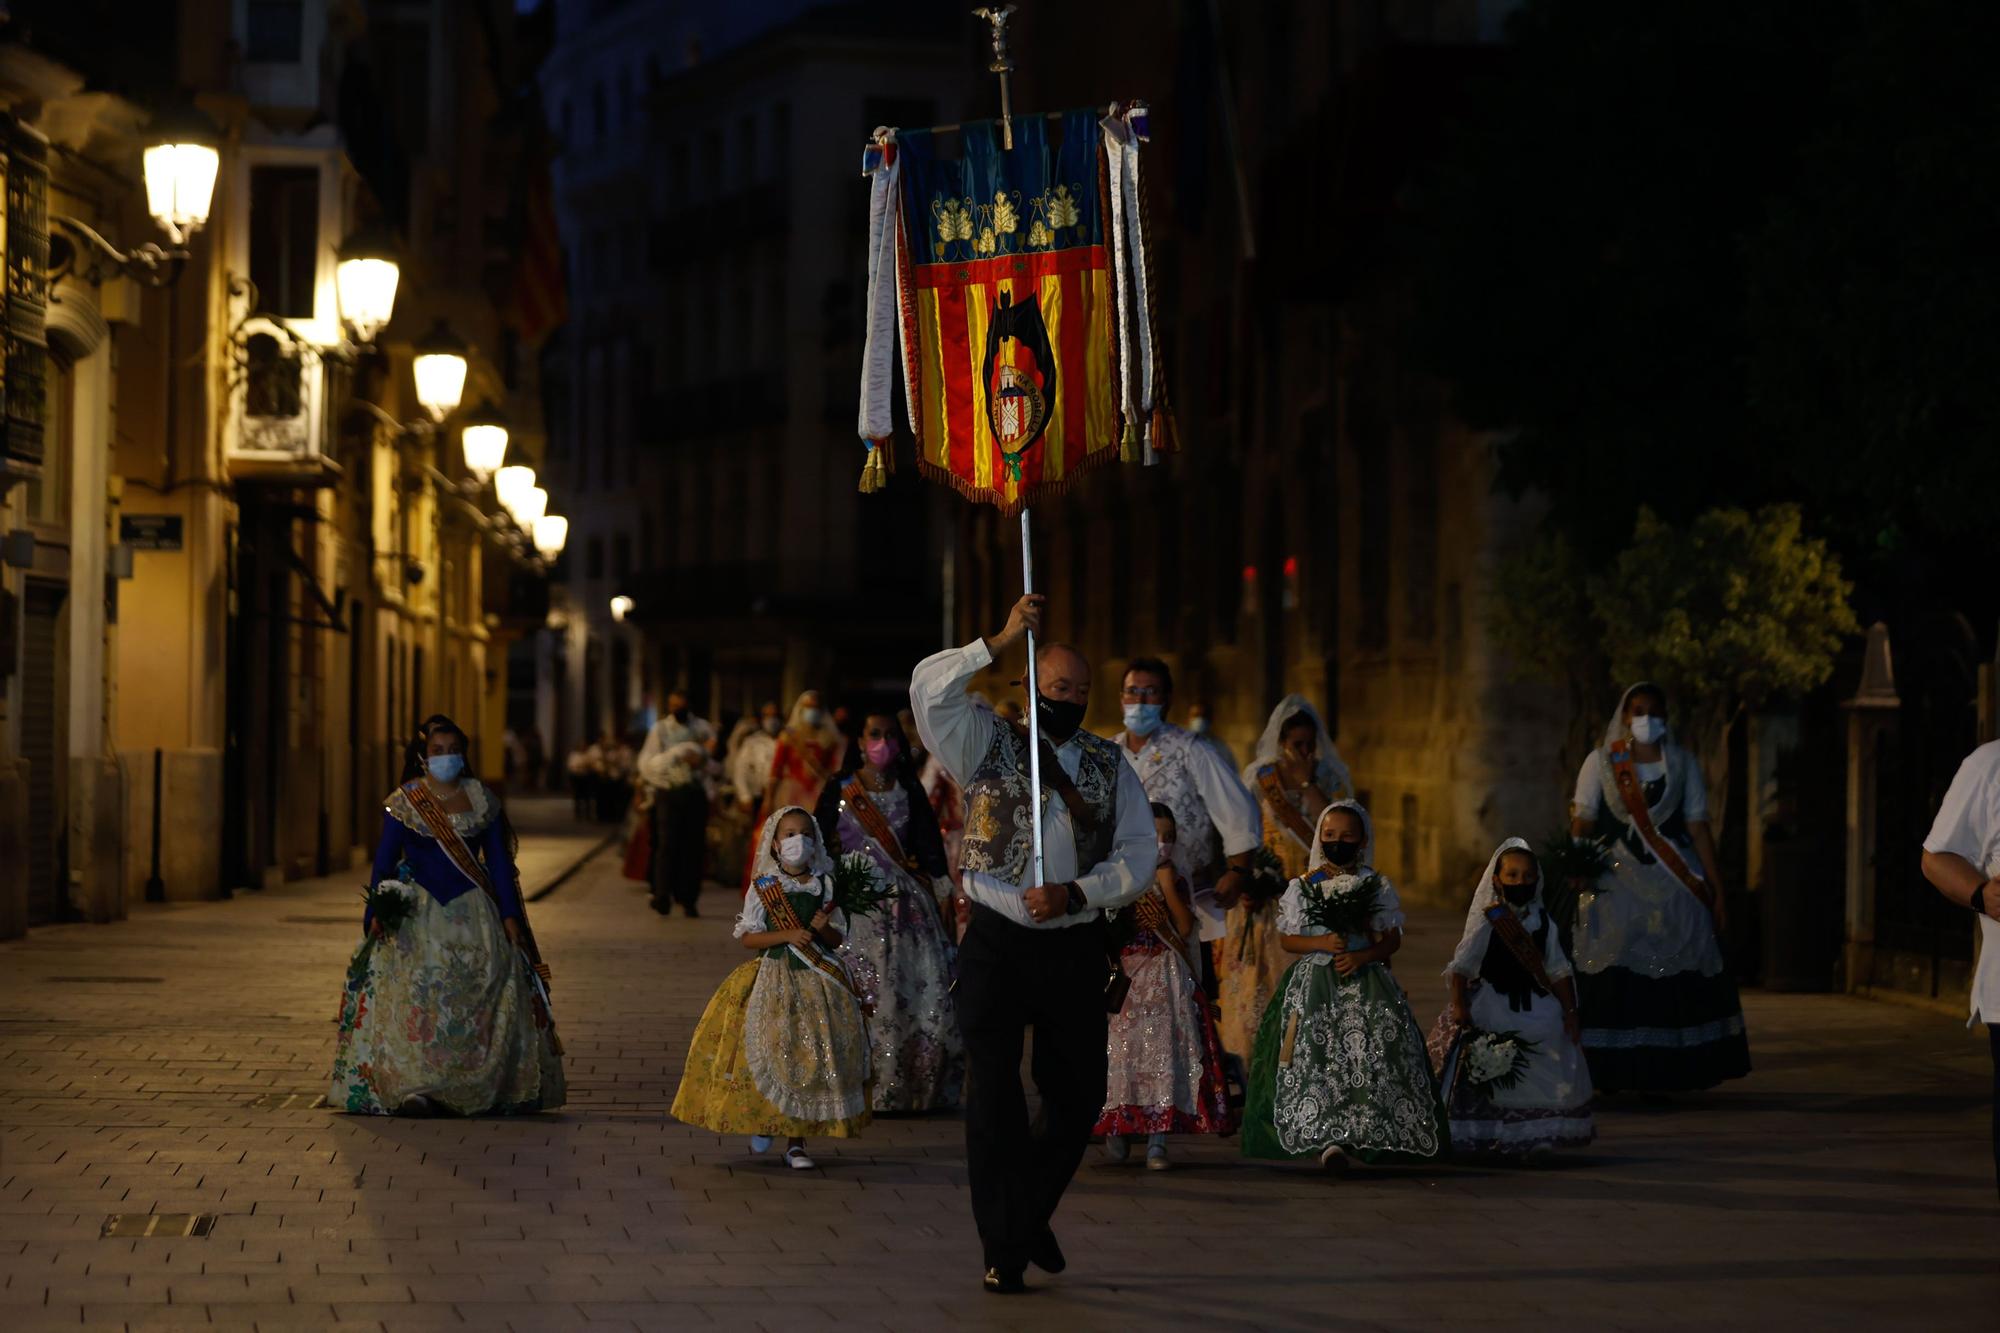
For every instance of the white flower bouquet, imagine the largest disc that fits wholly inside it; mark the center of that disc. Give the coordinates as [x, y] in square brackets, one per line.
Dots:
[1494, 1061]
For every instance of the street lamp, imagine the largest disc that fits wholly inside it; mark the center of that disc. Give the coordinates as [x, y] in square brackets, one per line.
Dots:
[621, 607]
[551, 534]
[533, 505]
[365, 278]
[180, 166]
[440, 371]
[484, 440]
[511, 484]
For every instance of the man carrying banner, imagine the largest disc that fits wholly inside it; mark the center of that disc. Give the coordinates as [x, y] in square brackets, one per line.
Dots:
[1034, 955]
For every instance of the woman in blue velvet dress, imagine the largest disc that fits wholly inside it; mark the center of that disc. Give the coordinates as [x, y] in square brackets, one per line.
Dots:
[446, 1012]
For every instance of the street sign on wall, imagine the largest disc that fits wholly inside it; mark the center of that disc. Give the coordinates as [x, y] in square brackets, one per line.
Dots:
[150, 532]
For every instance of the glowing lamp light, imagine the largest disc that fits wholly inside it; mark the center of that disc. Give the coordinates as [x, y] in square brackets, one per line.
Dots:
[531, 508]
[484, 440]
[551, 532]
[364, 279]
[512, 484]
[621, 607]
[440, 371]
[485, 448]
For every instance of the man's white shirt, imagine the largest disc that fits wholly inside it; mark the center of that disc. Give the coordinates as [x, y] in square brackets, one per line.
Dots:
[958, 733]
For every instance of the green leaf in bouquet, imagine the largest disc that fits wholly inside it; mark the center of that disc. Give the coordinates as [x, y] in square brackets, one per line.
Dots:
[390, 904]
[858, 887]
[1565, 858]
[1267, 878]
[1494, 1061]
[1348, 909]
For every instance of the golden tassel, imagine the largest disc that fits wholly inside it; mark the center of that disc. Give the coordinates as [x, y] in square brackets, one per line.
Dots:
[874, 472]
[1128, 444]
[1291, 1036]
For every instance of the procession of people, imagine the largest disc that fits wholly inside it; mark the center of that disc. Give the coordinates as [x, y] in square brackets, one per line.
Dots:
[1185, 950]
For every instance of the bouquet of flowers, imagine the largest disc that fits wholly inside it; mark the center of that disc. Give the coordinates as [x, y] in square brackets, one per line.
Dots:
[1267, 878]
[1566, 857]
[390, 904]
[1494, 1061]
[1343, 904]
[858, 887]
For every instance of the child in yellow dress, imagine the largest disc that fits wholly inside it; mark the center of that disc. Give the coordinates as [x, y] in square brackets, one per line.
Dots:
[783, 1046]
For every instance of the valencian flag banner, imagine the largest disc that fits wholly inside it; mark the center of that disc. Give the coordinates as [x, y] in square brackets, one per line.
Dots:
[1013, 283]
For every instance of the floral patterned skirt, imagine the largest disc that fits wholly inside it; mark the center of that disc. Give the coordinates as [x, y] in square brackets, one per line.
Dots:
[1340, 1062]
[1249, 961]
[901, 959]
[443, 1009]
[1166, 1061]
[780, 1050]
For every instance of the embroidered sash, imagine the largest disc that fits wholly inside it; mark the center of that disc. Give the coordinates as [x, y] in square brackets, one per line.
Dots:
[778, 914]
[1633, 792]
[454, 846]
[1151, 913]
[1507, 928]
[1281, 806]
[875, 823]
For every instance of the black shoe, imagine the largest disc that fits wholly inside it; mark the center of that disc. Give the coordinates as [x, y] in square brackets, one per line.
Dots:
[689, 909]
[1046, 1254]
[998, 1283]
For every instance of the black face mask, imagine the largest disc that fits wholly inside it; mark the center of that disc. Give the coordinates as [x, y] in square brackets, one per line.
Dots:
[1341, 853]
[1519, 894]
[680, 715]
[1059, 717]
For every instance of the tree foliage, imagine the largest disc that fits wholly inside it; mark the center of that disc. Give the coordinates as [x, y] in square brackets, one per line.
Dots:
[1729, 612]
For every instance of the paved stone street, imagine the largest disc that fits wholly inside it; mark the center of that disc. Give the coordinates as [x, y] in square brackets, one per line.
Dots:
[1845, 1183]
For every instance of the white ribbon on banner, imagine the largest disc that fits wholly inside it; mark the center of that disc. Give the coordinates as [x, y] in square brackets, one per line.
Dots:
[884, 303]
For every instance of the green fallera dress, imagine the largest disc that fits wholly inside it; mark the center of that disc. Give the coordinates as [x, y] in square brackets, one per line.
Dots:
[1340, 1061]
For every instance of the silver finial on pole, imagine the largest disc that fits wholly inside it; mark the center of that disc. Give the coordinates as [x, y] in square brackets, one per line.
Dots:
[1002, 64]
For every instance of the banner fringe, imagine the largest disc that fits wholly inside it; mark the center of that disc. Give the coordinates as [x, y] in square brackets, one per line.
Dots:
[994, 496]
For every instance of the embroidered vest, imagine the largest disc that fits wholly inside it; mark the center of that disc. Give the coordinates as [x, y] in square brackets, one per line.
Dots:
[999, 816]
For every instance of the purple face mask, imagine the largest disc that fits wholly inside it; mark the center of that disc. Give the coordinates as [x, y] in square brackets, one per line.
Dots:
[882, 753]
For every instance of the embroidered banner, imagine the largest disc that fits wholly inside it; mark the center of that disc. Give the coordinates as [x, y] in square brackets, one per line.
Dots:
[1014, 285]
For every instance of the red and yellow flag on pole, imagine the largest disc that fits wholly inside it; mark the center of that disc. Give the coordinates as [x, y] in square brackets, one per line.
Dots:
[1012, 284]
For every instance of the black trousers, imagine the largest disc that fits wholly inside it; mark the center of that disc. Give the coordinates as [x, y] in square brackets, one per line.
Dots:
[680, 845]
[1010, 979]
[1993, 1035]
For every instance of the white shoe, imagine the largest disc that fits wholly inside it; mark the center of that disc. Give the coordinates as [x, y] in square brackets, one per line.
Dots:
[796, 1159]
[760, 1143]
[1116, 1148]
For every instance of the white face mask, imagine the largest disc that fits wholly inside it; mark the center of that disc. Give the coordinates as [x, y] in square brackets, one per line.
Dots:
[793, 849]
[1647, 729]
[811, 717]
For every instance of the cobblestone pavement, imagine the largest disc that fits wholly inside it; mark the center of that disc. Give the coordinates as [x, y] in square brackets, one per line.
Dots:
[1845, 1183]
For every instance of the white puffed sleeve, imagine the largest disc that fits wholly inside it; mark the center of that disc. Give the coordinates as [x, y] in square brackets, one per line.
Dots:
[1589, 797]
[1292, 912]
[751, 920]
[1554, 961]
[1388, 908]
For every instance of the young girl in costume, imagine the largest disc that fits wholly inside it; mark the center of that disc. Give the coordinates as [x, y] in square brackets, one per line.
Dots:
[1165, 1058]
[1510, 979]
[782, 1047]
[1340, 1067]
[901, 955]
